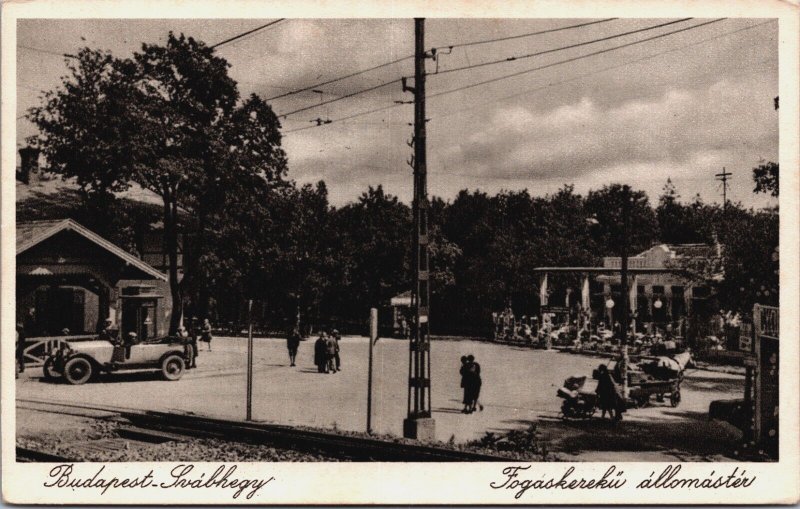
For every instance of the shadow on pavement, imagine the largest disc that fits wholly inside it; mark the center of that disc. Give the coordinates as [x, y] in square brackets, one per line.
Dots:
[447, 411]
[691, 435]
[714, 384]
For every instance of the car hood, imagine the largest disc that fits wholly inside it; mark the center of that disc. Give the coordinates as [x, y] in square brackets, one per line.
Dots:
[90, 346]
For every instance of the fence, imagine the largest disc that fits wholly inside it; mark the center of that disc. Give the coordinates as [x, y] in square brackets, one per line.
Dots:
[38, 349]
[766, 326]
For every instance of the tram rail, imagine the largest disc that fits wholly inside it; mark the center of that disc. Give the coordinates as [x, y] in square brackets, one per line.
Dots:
[142, 426]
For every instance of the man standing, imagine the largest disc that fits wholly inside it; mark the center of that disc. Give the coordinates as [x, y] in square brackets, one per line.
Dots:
[20, 348]
[189, 349]
[206, 333]
[330, 354]
[293, 343]
[336, 337]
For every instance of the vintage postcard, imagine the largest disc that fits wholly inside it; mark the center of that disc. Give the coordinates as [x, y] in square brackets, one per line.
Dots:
[399, 253]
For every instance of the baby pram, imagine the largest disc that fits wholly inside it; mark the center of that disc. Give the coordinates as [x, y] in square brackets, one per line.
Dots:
[578, 402]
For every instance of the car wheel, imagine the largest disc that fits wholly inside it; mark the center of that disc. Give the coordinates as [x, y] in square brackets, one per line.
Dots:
[675, 399]
[78, 371]
[49, 370]
[172, 367]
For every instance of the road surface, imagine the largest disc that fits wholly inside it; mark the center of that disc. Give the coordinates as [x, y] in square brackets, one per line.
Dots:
[519, 388]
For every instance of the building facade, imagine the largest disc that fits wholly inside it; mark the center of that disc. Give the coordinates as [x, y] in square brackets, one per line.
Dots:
[660, 291]
[71, 279]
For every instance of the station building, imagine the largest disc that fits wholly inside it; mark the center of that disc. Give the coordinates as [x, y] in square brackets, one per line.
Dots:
[68, 277]
[660, 291]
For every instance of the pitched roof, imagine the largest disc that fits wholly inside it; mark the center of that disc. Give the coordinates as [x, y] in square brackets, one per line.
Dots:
[31, 233]
[692, 250]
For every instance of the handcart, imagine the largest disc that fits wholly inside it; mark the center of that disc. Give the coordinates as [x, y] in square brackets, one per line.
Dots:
[641, 392]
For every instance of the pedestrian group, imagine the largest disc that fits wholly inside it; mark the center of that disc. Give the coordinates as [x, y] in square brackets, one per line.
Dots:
[326, 352]
[471, 383]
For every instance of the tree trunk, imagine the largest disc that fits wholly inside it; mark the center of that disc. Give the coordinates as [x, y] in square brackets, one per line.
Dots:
[171, 244]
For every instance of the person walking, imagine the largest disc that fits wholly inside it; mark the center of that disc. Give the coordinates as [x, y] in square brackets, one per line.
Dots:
[293, 343]
[319, 353]
[330, 354]
[205, 333]
[464, 375]
[337, 358]
[474, 382]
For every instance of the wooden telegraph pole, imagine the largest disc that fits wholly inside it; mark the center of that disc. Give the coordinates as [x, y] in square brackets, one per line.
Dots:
[626, 198]
[419, 424]
[373, 337]
[250, 360]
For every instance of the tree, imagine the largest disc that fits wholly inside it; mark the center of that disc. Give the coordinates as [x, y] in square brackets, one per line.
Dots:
[605, 206]
[166, 119]
[373, 244]
[766, 178]
[746, 271]
[679, 223]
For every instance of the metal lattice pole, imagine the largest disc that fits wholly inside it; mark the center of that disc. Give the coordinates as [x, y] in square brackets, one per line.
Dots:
[419, 383]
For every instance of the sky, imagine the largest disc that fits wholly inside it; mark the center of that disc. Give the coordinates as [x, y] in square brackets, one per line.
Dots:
[683, 106]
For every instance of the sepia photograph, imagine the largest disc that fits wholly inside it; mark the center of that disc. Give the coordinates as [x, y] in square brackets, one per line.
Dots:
[505, 240]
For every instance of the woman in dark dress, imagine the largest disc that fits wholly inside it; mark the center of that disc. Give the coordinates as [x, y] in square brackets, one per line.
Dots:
[608, 397]
[475, 382]
[320, 354]
[464, 375]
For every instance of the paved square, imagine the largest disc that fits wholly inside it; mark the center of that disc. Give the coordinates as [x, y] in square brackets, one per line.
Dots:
[519, 387]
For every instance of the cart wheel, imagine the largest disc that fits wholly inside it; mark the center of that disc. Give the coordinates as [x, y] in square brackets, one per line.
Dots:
[78, 371]
[172, 367]
[675, 399]
[50, 373]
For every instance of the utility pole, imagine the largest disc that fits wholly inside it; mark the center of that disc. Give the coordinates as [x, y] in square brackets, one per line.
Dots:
[249, 360]
[373, 337]
[419, 424]
[626, 198]
[724, 177]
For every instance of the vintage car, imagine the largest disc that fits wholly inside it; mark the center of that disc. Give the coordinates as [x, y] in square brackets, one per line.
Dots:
[79, 361]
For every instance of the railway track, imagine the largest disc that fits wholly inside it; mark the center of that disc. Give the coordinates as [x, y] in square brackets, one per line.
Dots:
[27, 455]
[154, 427]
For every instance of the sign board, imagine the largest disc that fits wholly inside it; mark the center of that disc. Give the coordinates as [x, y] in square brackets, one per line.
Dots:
[555, 309]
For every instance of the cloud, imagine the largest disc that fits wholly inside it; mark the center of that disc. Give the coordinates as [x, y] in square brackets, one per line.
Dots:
[680, 128]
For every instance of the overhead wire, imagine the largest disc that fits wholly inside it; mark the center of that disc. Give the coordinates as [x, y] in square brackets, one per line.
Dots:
[606, 69]
[520, 36]
[243, 34]
[340, 78]
[355, 115]
[458, 45]
[553, 50]
[341, 97]
[398, 80]
[45, 51]
[499, 78]
[573, 59]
